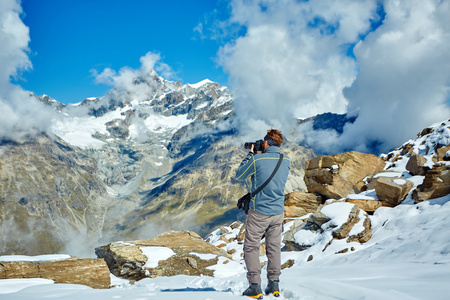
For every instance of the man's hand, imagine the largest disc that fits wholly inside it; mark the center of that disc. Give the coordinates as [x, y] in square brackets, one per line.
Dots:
[253, 147]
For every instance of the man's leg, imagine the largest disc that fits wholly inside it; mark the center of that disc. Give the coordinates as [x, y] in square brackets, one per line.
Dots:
[254, 230]
[273, 247]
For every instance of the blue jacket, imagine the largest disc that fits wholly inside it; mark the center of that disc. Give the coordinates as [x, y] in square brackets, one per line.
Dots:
[259, 167]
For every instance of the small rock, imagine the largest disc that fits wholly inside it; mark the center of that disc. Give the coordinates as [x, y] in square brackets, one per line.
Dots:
[235, 225]
[342, 251]
[287, 264]
[192, 262]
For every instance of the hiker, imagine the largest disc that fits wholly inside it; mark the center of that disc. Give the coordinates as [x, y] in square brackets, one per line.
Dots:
[265, 210]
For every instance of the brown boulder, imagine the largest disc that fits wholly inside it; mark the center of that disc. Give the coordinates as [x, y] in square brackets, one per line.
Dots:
[392, 189]
[85, 271]
[436, 184]
[371, 182]
[441, 154]
[127, 260]
[369, 206]
[297, 204]
[416, 165]
[336, 176]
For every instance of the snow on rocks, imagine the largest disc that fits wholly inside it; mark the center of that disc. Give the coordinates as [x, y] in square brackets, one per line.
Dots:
[424, 161]
[168, 254]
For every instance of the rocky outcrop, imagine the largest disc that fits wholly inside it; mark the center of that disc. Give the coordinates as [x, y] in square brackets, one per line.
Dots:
[436, 184]
[189, 255]
[297, 204]
[393, 190]
[336, 176]
[85, 271]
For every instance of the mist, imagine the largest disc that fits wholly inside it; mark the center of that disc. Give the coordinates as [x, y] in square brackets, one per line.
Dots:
[386, 62]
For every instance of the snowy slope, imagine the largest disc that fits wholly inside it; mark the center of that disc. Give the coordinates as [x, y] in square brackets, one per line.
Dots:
[408, 257]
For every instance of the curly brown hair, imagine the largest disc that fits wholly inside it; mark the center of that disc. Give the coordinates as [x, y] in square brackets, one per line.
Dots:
[276, 136]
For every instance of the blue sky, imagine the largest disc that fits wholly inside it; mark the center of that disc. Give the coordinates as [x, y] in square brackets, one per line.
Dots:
[69, 38]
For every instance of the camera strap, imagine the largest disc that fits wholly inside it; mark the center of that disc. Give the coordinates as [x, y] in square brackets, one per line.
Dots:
[259, 189]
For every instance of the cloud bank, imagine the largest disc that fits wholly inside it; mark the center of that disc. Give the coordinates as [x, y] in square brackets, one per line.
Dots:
[386, 61]
[21, 116]
[404, 79]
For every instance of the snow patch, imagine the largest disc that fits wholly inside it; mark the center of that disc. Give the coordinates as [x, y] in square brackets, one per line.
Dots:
[47, 257]
[399, 181]
[204, 256]
[8, 286]
[155, 254]
[200, 84]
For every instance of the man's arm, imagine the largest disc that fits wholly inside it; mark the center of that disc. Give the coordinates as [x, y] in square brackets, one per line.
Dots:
[247, 167]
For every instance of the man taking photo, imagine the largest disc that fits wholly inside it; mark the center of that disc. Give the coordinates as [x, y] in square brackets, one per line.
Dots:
[266, 212]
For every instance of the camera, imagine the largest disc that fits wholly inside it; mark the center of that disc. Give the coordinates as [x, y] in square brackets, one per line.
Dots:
[258, 145]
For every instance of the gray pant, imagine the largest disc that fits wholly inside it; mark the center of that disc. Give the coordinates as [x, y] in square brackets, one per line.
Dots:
[257, 226]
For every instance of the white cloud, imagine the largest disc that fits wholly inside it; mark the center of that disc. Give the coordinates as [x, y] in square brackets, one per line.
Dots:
[404, 79]
[105, 77]
[20, 115]
[135, 84]
[292, 61]
[14, 38]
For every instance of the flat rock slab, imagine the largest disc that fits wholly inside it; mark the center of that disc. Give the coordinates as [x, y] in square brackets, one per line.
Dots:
[168, 254]
[90, 272]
